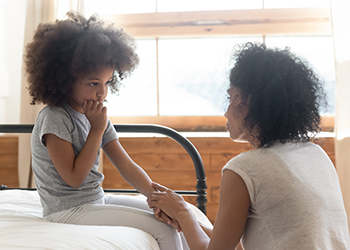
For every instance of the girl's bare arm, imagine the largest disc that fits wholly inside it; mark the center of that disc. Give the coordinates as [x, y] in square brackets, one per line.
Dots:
[129, 170]
[74, 169]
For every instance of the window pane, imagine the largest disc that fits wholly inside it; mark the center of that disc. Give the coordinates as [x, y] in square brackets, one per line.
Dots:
[193, 75]
[138, 94]
[202, 5]
[318, 51]
[109, 7]
[296, 4]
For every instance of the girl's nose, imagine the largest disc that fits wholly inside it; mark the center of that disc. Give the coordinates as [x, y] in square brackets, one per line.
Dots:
[102, 91]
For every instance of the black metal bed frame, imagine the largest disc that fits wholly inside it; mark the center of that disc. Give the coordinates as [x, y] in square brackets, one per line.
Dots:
[142, 128]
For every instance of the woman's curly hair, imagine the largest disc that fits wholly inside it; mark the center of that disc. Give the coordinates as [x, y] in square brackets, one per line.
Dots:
[67, 49]
[282, 91]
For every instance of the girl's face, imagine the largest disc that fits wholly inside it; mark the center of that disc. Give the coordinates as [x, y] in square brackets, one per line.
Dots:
[92, 87]
[235, 114]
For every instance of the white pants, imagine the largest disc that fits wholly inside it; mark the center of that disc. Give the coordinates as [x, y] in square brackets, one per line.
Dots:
[122, 210]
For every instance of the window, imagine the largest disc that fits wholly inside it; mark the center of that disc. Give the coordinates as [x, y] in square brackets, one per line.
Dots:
[185, 52]
[319, 53]
[138, 94]
[193, 75]
[296, 4]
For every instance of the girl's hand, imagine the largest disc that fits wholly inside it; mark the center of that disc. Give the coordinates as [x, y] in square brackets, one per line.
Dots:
[161, 216]
[96, 114]
[168, 201]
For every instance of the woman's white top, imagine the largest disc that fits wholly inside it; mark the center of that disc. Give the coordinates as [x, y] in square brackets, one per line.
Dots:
[296, 201]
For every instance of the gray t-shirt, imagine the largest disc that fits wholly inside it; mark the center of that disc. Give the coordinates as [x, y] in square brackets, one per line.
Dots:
[296, 201]
[73, 127]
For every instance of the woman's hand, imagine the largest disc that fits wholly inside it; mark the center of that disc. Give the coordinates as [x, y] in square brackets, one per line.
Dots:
[168, 201]
[96, 113]
[162, 217]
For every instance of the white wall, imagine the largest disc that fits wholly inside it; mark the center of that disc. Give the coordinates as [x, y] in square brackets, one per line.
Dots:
[12, 25]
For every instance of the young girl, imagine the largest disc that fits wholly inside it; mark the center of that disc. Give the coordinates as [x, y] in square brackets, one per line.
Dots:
[285, 193]
[71, 64]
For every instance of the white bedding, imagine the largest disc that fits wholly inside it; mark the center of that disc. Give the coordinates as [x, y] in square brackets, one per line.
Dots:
[22, 227]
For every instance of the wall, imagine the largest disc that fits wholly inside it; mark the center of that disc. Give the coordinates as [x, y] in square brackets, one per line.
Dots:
[12, 23]
[9, 161]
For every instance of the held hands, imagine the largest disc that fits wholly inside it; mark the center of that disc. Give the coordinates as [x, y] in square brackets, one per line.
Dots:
[96, 114]
[161, 216]
[167, 201]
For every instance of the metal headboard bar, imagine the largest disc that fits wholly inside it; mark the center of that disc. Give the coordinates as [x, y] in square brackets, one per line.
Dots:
[123, 191]
[147, 128]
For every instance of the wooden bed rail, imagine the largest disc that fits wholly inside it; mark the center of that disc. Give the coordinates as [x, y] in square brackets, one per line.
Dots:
[144, 128]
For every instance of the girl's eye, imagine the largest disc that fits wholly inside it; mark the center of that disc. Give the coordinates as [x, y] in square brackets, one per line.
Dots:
[93, 84]
[108, 82]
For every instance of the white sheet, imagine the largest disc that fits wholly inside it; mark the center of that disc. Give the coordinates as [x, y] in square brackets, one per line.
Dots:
[22, 227]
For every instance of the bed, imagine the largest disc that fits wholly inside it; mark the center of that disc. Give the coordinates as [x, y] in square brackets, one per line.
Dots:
[22, 225]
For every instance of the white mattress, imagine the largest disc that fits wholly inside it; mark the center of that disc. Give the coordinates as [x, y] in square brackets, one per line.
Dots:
[22, 227]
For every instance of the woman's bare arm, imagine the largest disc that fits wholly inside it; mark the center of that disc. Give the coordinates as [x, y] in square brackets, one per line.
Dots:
[230, 221]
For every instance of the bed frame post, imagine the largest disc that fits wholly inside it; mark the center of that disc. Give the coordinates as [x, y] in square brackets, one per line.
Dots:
[202, 195]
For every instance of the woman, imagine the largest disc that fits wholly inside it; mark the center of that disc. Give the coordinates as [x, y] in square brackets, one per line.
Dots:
[285, 193]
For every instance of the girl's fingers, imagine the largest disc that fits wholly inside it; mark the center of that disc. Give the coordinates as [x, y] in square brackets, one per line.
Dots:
[84, 106]
[156, 212]
[104, 109]
[94, 104]
[90, 105]
[153, 203]
[153, 199]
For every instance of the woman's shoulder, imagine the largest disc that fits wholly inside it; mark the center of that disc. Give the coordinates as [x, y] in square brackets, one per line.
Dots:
[244, 159]
[261, 156]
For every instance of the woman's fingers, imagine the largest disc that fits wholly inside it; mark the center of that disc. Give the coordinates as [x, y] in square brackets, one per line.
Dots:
[159, 187]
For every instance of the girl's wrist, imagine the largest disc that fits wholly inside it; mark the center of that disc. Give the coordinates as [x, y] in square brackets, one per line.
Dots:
[97, 130]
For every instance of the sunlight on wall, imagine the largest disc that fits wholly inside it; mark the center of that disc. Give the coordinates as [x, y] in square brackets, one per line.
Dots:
[12, 18]
[3, 72]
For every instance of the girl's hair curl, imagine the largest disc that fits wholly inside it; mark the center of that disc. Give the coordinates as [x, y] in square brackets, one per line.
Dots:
[67, 49]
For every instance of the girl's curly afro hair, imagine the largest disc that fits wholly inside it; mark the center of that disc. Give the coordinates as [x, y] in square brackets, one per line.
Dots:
[67, 49]
[281, 90]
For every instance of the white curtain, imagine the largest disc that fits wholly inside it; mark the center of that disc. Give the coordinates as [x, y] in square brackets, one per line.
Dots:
[340, 10]
[39, 11]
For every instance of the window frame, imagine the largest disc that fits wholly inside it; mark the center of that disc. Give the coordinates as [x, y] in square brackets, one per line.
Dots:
[197, 24]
